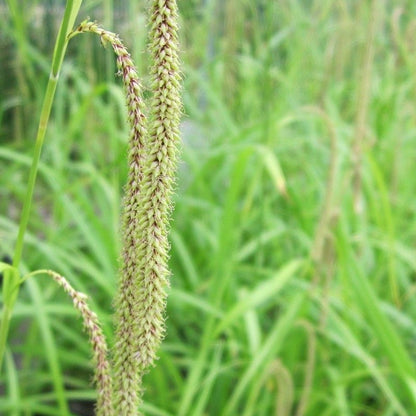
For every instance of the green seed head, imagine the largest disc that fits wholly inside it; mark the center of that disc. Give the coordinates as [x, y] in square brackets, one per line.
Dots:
[153, 147]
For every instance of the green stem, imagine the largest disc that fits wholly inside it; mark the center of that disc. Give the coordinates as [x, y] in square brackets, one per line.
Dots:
[44, 117]
[11, 280]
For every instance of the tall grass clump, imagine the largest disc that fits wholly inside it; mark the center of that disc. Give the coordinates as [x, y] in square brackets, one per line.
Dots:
[152, 153]
[294, 290]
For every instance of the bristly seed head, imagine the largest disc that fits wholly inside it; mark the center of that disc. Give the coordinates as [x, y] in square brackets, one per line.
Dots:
[141, 298]
[102, 376]
[126, 369]
[158, 177]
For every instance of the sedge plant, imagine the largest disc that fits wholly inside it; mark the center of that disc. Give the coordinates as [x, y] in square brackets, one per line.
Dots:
[152, 155]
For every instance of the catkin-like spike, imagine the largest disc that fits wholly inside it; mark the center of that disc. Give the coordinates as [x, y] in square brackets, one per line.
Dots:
[140, 304]
[102, 375]
[158, 178]
[126, 366]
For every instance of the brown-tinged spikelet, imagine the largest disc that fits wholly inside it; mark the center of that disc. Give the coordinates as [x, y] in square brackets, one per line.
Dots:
[140, 303]
[126, 366]
[158, 178]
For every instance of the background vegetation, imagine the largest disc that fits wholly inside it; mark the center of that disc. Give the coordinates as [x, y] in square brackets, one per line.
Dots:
[294, 233]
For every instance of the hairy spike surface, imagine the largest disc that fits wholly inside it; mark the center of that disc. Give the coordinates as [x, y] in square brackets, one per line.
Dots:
[140, 303]
[158, 178]
[126, 376]
[102, 376]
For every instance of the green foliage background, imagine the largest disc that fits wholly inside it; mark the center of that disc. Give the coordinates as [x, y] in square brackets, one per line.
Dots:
[291, 293]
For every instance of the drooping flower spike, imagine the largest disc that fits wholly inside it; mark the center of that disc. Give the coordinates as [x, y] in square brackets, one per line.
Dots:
[141, 298]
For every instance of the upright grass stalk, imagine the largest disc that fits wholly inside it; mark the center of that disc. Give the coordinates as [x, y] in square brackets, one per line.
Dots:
[363, 100]
[322, 245]
[323, 228]
[11, 280]
[309, 368]
[285, 388]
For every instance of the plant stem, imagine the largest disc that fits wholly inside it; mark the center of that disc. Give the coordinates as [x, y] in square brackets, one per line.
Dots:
[11, 280]
[363, 105]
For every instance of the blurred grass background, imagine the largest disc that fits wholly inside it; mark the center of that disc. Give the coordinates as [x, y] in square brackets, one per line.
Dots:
[293, 237]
